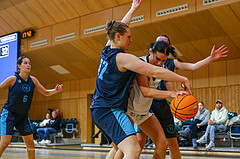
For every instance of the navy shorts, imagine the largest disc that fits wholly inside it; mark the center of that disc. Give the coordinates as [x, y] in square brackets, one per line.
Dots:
[113, 122]
[161, 110]
[10, 120]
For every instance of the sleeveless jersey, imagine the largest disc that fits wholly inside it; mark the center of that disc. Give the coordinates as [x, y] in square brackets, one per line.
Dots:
[137, 103]
[20, 96]
[169, 64]
[112, 86]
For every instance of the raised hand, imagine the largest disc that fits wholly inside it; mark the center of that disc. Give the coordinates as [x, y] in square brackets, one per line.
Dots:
[220, 52]
[58, 87]
[136, 4]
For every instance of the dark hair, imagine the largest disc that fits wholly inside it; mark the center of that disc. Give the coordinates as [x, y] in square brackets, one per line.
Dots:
[50, 110]
[171, 48]
[161, 46]
[19, 62]
[201, 102]
[114, 27]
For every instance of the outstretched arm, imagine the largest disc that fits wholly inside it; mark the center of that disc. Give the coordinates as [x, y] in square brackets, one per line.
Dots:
[8, 82]
[135, 5]
[215, 54]
[148, 92]
[44, 91]
[127, 18]
[130, 62]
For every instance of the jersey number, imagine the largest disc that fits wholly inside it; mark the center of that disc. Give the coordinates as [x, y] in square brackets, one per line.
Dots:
[102, 68]
[25, 98]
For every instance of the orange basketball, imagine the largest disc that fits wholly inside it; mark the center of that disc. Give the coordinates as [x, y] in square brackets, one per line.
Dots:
[185, 108]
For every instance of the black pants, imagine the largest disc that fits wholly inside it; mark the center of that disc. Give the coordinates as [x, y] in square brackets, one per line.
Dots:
[194, 129]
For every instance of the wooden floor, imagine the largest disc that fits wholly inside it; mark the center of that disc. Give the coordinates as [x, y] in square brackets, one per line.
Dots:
[20, 153]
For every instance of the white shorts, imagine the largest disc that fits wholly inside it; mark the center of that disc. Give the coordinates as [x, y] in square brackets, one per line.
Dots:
[137, 117]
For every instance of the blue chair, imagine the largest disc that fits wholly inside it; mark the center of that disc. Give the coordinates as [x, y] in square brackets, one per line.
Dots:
[231, 115]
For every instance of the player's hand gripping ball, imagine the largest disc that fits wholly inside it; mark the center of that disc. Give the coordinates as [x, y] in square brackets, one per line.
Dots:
[185, 108]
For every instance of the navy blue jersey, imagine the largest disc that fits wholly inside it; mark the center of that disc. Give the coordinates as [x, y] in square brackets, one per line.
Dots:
[20, 96]
[112, 86]
[169, 64]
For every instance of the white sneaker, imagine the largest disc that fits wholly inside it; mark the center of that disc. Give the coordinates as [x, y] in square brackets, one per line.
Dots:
[202, 140]
[42, 142]
[35, 142]
[48, 142]
[210, 145]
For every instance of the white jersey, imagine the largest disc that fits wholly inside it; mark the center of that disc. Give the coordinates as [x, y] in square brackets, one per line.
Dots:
[137, 103]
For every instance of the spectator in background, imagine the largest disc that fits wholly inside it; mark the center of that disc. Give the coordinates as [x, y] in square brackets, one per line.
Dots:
[217, 121]
[198, 124]
[58, 114]
[48, 111]
[42, 124]
[51, 127]
[177, 124]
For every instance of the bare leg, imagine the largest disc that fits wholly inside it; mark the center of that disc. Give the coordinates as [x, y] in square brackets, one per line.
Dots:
[5, 141]
[152, 128]
[142, 137]
[174, 148]
[30, 146]
[130, 147]
[112, 152]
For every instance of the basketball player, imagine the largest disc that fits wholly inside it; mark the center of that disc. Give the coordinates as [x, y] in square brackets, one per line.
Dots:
[161, 107]
[141, 96]
[15, 110]
[115, 74]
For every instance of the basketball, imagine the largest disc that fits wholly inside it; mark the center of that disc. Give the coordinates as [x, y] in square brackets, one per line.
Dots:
[185, 108]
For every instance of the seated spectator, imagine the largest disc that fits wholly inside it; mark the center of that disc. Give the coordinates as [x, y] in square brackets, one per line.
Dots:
[51, 127]
[199, 123]
[48, 111]
[217, 121]
[177, 124]
[46, 120]
[42, 124]
[58, 114]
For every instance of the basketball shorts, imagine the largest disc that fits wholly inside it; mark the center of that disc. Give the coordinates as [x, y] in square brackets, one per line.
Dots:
[10, 120]
[161, 109]
[113, 122]
[138, 118]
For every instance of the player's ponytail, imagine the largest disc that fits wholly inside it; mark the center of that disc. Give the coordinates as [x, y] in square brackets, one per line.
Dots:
[114, 27]
[171, 48]
[19, 62]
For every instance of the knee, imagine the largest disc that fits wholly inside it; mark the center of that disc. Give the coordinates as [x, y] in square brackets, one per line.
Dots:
[134, 152]
[162, 144]
[4, 144]
[212, 128]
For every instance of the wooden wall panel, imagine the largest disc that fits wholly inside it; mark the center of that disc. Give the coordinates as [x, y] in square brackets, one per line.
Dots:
[187, 74]
[233, 72]
[95, 20]
[75, 86]
[201, 6]
[83, 119]
[120, 11]
[24, 45]
[200, 78]
[70, 26]
[217, 74]
[230, 96]
[157, 5]
[84, 88]
[40, 34]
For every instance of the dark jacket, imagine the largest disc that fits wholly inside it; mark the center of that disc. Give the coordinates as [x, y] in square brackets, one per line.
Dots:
[54, 123]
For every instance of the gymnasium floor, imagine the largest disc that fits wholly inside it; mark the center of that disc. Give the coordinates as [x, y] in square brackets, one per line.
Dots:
[80, 153]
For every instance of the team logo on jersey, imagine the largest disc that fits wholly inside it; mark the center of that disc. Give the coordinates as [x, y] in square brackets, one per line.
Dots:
[170, 128]
[19, 81]
[26, 88]
[27, 128]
